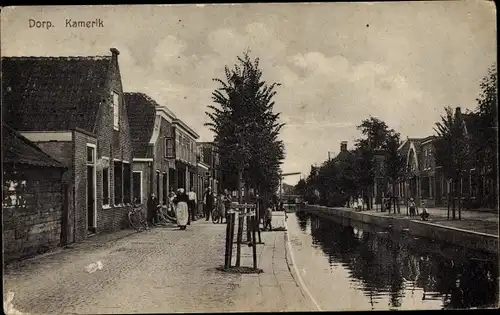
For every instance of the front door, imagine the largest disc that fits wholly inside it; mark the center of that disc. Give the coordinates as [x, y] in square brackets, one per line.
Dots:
[90, 199]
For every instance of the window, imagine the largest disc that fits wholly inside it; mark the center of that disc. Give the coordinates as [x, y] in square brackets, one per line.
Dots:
[127, 185]
[169, 148]
[165, 188]
[116, 111]
[90, 155]
[157, 184]
[105, 185]
[473, 183]
[118, 176]
[137, 189]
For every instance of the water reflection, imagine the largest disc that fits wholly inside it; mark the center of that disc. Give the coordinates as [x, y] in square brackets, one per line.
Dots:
[399, 265]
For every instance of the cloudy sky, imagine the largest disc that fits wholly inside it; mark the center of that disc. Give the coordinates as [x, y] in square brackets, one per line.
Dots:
[338, 63]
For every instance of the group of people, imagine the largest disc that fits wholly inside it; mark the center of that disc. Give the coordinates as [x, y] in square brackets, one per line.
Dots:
[180, 205]
[413, 209]
[183, 206]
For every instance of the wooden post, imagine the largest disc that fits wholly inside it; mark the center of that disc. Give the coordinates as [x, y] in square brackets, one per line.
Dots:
[257, 220]
[254, 240]
[232, 219]
[227, 257]
[249, 228]
[239, 239]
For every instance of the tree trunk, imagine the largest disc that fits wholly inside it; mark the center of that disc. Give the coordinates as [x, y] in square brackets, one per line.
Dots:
[240, 177]
[448, 205]
[460, 200]
[453, 197]
[394, 197]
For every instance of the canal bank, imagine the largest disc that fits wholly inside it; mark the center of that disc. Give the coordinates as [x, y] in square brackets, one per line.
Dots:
[433, 229]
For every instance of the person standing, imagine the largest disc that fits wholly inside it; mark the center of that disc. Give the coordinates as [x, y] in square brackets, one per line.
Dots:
[152, 205]
[192, 205]
[181, 208]
[208, 203]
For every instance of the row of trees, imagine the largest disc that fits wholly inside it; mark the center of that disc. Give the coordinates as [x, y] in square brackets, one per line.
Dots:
[458, 148]
[247, 129]
[354, 173]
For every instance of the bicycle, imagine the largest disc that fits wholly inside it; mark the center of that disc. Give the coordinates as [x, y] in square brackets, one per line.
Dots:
[164, 216]
[136, 218]
[217, 215]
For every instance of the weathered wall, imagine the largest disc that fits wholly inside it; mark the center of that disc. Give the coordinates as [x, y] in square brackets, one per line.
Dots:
[112, 144]
[62, 151]
[34, 227]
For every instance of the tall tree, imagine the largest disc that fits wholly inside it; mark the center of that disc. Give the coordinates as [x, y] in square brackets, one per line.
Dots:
[394, 164]
[247, 128]
[452, 152]
[375, 132]
[486, 136]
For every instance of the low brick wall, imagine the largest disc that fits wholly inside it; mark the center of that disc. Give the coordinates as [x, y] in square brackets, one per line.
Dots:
[468, 239]
[34, 227]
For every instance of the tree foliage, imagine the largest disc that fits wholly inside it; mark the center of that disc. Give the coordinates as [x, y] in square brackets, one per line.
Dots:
[486, 124]
[246, 127]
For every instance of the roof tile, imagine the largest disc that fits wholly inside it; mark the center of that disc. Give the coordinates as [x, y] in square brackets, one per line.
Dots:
[53, 93]
[141, 110]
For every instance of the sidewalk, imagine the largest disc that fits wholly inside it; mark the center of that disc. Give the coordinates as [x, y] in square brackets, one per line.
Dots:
[482, 222]
[277, 288]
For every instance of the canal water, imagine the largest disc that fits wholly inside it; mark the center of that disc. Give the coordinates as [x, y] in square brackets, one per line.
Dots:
[361, 267]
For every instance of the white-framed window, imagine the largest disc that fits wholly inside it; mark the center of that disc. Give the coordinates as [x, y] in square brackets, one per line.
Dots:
[169, 148]
[116, 111]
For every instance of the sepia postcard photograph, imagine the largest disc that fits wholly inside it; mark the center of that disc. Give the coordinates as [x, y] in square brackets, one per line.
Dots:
[252, 157]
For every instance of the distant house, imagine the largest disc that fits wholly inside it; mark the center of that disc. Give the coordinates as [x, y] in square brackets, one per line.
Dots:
[73, 109]
[203, 176]
[185, 155]
[425, 181]
[164, 149]
[152, 132]
[209, 157]
[33, 204]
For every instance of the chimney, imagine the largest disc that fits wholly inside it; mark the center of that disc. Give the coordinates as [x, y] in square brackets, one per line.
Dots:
[114, 52]
[343, 146]
[458, 110]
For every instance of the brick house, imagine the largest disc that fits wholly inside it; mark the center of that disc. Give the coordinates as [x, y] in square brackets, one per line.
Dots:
[209, 157]
[164, 149]
[73, 109]
[186, 167]
[425, 181]
[33, 198]
[151, 129]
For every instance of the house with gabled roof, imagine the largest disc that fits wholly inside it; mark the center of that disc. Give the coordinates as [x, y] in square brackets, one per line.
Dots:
[164, 147]
[33, 204]
[424, 180]
[152, 132]
[73, 109]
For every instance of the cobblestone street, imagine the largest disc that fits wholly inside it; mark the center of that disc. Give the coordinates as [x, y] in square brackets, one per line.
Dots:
[161, 270]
